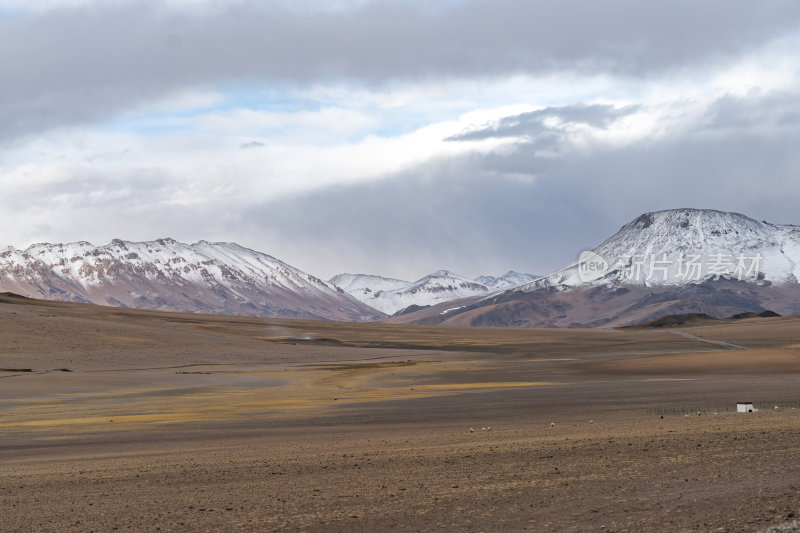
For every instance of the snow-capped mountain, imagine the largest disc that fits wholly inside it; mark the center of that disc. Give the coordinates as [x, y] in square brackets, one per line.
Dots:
[209, 277]
[507, 280]
[680, 246]
[391, 296]
[365, 286]
[665, 262]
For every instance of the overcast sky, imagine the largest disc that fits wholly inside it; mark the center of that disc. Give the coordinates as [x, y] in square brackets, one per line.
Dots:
[392, 137]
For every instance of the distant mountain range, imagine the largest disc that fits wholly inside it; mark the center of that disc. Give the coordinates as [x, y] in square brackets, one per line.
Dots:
[216, 277]
[666, 262]
[395, 296]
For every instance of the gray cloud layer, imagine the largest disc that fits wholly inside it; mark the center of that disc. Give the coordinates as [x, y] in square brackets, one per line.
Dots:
[470, 213]
[473, 213]
[69, 66]
[465, 212]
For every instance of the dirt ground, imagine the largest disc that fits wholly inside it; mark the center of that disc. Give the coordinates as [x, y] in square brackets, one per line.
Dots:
[115, 419]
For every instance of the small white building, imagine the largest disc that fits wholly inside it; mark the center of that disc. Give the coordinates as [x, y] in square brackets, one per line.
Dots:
[745, 407]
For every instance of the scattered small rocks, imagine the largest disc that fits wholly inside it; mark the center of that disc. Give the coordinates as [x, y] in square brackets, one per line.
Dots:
[789, 527]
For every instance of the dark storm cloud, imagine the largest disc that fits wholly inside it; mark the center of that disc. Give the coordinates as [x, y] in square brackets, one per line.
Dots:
[534, 124]
[466, 214]
[84, 64]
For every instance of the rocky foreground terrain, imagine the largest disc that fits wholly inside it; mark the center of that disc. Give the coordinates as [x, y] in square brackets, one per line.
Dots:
[115, 419]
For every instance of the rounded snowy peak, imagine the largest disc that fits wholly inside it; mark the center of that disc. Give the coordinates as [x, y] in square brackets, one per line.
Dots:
[690, 229]
[679, 246]
[688, 217]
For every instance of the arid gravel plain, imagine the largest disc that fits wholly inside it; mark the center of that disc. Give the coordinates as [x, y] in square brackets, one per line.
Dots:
[115, 419]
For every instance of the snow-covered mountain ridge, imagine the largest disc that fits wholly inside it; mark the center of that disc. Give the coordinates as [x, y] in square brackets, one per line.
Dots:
[391, 295]
[165, 274]
[507, 280]
[364, 286]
